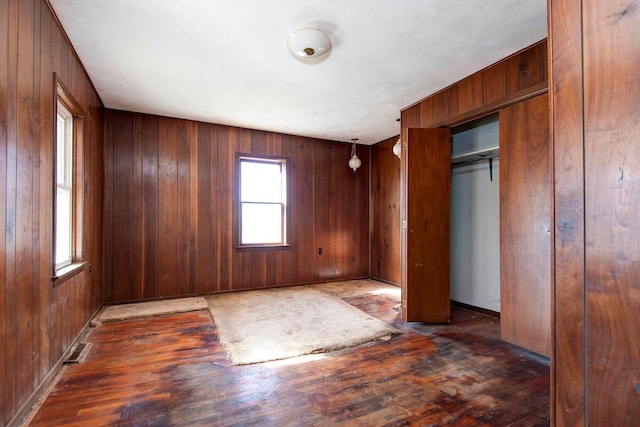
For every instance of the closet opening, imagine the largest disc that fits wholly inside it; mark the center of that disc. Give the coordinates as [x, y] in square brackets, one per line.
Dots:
[475, 214]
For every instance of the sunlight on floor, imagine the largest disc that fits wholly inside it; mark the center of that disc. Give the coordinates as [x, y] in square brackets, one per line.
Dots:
[393, 292]
[295, 360]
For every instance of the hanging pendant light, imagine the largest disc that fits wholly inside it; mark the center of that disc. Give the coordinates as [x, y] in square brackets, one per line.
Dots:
[354, 162]
[397, 148]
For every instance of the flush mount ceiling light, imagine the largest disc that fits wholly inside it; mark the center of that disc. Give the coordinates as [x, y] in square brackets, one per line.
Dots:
[309, 45]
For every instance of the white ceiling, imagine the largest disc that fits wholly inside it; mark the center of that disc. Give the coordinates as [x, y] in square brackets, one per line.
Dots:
[227, 62]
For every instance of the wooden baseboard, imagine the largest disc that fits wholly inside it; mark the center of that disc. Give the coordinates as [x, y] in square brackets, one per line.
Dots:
[491, 313]
[26, 408]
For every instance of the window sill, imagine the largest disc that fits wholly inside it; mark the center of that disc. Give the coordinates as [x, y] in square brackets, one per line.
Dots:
[65, 273]
[249, 248]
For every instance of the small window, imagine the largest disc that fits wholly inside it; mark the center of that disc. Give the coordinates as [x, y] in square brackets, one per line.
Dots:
[263, 190]
[68, 170]
[64, 188]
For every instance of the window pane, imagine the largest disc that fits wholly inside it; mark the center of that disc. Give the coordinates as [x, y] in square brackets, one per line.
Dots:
[260, 182]
[60, 151]
[261, 223]
[63, 226]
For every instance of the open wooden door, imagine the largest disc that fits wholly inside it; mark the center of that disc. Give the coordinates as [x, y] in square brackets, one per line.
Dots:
[425, 212]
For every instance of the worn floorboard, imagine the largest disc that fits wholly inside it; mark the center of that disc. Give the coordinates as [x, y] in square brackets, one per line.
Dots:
[171, 371]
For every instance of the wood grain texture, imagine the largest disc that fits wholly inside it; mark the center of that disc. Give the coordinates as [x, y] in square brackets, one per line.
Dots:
[426, 184]
[594, 58]
[525, 225]
[465, 95]
[409, 118]
[385, 208]
[182, 213]
[532, 66]
[494, 83]
[484, 91]
[177, 374]
[40, 321]
[611, 59]
[565, 53]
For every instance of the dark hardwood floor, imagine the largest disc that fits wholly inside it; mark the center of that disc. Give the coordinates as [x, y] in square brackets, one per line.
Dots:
[171, 371]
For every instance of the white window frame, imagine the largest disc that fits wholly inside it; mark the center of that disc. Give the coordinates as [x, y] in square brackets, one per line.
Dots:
[244, 201]
[64, 184]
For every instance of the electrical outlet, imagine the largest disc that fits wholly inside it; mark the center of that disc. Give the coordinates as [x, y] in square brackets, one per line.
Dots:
[90, 269]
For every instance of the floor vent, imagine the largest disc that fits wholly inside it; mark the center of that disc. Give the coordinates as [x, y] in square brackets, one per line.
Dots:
[78, 353]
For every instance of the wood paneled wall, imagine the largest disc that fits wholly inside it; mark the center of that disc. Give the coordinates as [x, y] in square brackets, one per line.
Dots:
[170, 202]
[517, 77]
[595, 110]
[510, 80]
[565, 95]
[39, 322]
[385, 215]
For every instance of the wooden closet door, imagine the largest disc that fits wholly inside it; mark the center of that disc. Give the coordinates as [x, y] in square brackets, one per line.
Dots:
[426, 182]
[525, 225]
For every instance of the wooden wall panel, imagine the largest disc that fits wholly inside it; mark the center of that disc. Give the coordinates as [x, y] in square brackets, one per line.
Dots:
[301, 195]
[532, 66]
[611, 58]
[567, 369]
[465, 98]
[521, 75]
[441, 106]
[595, 108]
[207, 266]
[172, 233]
[494, 83]
[40, 321]
[409, 118]
[385, 204]
[122, 231]
[8, 333]
[136, 204]
[427, 113]
[8, 53]
[168, 204]
[24, 185]
[149, 259]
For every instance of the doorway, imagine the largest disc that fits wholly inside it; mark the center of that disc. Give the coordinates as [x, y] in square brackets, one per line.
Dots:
[475, 213]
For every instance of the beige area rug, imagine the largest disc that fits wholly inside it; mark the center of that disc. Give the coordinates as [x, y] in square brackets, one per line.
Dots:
[273, 324]
[112, 313]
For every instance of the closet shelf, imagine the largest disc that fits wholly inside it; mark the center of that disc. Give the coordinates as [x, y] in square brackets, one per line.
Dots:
[475, 156]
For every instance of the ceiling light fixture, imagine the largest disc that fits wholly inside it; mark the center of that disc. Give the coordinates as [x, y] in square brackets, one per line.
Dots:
[309, 45]
[354, 162]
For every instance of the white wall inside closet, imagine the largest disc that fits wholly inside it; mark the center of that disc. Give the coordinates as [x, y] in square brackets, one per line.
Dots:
[475, 216]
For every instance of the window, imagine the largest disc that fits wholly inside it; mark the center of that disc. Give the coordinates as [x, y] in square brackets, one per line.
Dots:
[68, 207]
[64, 188]
[263, 190]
